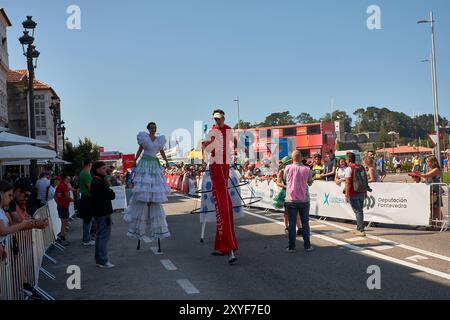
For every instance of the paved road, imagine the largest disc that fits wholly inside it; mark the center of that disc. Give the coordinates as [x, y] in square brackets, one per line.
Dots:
[414, 264]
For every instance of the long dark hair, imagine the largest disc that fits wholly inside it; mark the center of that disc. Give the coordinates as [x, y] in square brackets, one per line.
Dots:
[5, 186]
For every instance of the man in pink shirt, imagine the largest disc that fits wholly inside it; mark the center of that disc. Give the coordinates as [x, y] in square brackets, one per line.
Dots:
[298, 177]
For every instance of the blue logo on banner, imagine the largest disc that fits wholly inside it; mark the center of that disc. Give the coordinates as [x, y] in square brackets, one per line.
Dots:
[327, 199]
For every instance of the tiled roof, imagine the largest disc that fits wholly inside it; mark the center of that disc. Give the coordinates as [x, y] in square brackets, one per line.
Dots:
[405, 149]
[39, 85]
[16, 75]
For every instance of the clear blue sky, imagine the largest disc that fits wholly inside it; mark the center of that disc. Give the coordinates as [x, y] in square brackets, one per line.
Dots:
[172, 61]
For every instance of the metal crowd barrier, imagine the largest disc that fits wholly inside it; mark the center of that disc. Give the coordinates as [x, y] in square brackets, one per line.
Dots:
[440, 199]
[25, 250]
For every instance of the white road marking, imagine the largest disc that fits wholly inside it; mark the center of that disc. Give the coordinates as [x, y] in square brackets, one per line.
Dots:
[357, 239]
[367, 252]
[385, 257]
[168, 265]
[187, 286]
[273, 214]
[382, 248]
[416, 258]
[390, 242]
[316, 226]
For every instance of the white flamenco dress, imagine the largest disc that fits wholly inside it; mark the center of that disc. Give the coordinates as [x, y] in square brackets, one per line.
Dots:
[149, 192]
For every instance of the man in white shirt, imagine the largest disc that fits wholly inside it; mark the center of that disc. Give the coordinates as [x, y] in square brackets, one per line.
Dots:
[41, 186]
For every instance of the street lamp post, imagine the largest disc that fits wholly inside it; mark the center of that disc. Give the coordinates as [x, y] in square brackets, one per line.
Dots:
[30, 52]
[392, 134]
[434, 83]
[54, 111]
[238, 110]
[63, 132]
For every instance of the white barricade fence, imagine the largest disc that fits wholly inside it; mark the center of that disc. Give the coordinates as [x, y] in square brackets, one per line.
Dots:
[25, 251]
[192, 188]
[18, 268]
[390, 203]
[120, 202]
[439, 194]
[72, 206]
[54, 221]
[266, 189]
[207, 202]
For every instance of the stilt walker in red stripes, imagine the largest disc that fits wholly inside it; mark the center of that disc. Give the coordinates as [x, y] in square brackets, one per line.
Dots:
[218, 148]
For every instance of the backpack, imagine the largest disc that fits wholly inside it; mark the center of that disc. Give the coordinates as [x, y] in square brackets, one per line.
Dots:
[360, 180]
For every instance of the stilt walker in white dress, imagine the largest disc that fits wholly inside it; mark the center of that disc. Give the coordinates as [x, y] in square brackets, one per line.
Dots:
[149, 192]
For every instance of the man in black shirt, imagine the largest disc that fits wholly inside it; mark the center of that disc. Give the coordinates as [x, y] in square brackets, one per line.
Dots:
[102, 195]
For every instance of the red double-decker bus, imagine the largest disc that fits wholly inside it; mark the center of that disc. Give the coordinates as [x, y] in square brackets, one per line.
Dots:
[308, 138]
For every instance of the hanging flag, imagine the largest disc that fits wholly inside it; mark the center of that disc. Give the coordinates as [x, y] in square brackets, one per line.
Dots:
[434, 137]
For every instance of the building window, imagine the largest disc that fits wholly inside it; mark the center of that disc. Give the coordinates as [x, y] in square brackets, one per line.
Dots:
[313, 129]
[289, 132]
[268, 133]
[41, 132]
[40, 118]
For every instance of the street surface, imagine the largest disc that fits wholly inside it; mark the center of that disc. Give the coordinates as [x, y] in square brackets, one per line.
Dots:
[414, 264]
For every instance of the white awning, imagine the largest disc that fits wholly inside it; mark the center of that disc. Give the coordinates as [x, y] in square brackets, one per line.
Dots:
[8, 139]
[39, 162]
[25, 152]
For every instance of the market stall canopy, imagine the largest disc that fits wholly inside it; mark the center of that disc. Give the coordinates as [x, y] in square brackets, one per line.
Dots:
[25, 152]
[8, 139]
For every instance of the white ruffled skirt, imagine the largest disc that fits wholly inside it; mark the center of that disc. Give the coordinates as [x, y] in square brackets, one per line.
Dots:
[150, 190]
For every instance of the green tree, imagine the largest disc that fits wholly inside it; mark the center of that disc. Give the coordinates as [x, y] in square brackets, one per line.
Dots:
[278, 119]
[304, 117]
[339, 115]
[85, 150]
[243, 125]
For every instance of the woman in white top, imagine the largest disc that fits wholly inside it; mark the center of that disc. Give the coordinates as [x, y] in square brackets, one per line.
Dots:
[340, 172]
[397, 165]
[6, 196]
[150, 189]
[51, 190]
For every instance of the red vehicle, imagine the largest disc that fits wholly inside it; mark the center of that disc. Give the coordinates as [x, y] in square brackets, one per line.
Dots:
[308, 138]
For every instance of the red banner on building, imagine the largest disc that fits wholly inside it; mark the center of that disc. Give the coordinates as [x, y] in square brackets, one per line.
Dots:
[127, 162]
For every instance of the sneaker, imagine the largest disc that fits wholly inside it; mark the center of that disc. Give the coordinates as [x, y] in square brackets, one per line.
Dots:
[217, 253]
[89, 243]
[62, 242]
[359, 233]
[309, 249]
[107, 265]
[232, 258]
[290, 250]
